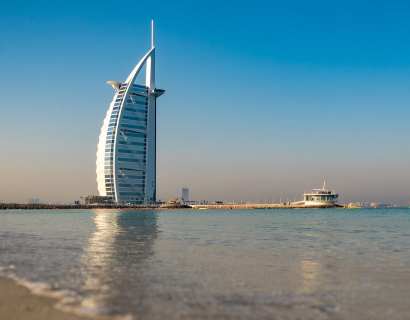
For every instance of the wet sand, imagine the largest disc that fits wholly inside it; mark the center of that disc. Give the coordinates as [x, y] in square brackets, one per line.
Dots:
[17, 303]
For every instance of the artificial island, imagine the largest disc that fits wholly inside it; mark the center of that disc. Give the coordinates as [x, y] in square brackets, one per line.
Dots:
[126, 156]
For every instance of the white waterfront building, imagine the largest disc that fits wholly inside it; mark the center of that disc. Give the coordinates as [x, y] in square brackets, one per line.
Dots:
[126, 156]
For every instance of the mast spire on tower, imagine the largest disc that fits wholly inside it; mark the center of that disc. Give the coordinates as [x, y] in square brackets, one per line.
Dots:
[152, 33]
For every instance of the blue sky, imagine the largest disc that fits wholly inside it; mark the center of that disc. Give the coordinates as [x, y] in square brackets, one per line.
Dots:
[263, 98]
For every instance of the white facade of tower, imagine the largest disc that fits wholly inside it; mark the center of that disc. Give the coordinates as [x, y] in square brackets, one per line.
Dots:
[126, 156]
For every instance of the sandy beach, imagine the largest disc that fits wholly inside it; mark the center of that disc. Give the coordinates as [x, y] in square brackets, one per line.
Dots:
[17, 303]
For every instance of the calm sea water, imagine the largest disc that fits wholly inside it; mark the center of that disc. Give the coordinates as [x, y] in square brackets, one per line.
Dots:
[217, 264]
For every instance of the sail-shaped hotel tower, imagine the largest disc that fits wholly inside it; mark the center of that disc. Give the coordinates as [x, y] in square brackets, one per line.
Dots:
[126, 156]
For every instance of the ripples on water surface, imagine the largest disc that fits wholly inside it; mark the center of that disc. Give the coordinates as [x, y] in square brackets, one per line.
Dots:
[218, 264]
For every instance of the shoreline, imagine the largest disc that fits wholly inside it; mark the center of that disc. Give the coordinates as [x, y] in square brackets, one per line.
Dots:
[18, 303]
[17, 206]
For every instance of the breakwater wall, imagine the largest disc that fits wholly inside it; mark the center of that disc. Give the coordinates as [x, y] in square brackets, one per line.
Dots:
[39, 206]
[263, 206]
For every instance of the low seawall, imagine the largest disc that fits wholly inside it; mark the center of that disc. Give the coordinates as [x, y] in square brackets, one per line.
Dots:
[38, 206]
[18, 206]
[262, 206]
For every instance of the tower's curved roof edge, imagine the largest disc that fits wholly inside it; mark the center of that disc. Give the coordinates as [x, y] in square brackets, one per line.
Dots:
[136, 70]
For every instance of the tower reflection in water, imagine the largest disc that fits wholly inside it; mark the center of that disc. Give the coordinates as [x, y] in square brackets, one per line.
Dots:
[116, 258]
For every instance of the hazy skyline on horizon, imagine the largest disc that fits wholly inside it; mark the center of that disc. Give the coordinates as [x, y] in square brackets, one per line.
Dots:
[263, 99]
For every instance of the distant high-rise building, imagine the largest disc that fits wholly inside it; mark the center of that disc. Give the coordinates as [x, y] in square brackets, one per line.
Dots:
[126, 156]
[33, 201]
[185, 193]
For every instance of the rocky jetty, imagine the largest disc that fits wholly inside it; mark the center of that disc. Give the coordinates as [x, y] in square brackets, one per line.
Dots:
[174, 206]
